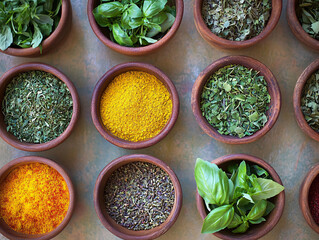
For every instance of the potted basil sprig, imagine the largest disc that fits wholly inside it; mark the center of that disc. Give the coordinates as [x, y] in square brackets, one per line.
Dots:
[237, 198]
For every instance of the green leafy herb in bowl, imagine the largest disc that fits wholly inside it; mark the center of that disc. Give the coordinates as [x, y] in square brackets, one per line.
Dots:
[237, 198]
[308, 15]
[135, 23]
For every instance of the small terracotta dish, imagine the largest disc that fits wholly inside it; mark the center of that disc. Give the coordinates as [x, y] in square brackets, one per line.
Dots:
[103, 33]
[50, 42]
[296, 28]
[5, 230]
[110, 224]
[306, 74]
[107, 78]
[273, 89]
[304, 194]
[33, 147]
[254, 231]
[216, 41]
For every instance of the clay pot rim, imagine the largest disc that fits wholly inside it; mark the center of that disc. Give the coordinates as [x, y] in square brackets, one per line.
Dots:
[120, 231]
[273, 89]
[107, 78]
[136, 51]
[33, 147]
[6, 169]
[275, 214]
[213, 39]
[53, 39]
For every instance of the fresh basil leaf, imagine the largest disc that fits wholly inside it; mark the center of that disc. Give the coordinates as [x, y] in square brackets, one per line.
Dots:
[168, 23]
[218, 219]
[153, 7]
[258, 210]
[242, 228]
[120, 36]
[149, 40]
[151, 25]
[44, 19]
[108, 10]
[248, 197]
[241, 180]
[255, 187]
[259, 171]
[134, 11]
[6, 37]
[37, 36]
[159, 18]
[269, 189]
[235, 222]
[270, 207]
[231, 190]
[46, 29]
[259, 220]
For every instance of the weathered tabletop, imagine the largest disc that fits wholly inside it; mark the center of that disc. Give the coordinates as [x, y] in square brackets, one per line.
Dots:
[84, 59]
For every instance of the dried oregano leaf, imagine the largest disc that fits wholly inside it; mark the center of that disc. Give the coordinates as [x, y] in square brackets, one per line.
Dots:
[236, 20]
[308, 14]
[235, 100]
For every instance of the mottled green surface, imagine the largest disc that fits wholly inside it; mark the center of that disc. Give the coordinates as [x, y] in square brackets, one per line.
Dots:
[84, 59]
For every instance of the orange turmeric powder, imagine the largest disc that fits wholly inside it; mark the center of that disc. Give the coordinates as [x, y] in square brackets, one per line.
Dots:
[34, 199]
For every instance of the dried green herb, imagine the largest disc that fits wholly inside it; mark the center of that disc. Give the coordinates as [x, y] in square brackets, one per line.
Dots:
[234, 101]
[308, 14]
[37, 107]
[236, 20]
[310, 101]
[139, 196]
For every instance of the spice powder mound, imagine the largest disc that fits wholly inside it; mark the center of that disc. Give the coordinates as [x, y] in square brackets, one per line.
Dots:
[34, 199]
[139, 196]
[135, 106]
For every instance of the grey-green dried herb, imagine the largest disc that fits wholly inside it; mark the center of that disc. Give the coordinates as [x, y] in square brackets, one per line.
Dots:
[236, 20]
[37, 107]
[139, 196]
[235, 100]
[308, 14]
[310, 101]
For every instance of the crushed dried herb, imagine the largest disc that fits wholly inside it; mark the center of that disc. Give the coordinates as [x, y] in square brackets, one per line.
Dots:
[235, 100]
[308, 15]
[236, 20]
[37, 107]
[139, 196]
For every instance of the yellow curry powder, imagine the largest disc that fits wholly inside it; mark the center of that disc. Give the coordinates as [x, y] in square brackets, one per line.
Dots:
[135, 106]
[34, 199]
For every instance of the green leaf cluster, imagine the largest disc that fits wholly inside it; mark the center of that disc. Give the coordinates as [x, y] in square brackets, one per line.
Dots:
[235, 100]
[135, 22]
[310, 101]
[26, 23]
[308, 14]
[236, 199]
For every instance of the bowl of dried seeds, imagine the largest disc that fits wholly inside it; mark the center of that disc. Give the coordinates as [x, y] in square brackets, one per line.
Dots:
[40, 107]
[137, 197]
[306, 102]
[236, 100]
[303, 20]
[236, 24]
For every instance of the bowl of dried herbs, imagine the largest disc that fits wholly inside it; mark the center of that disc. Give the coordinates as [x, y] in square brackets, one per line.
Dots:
[39, 107]
[238, 196]
[32, 28]
[236, 24]
[236, 100]
[137, 197]
[306, 100]
[135, 27]
[303, 20]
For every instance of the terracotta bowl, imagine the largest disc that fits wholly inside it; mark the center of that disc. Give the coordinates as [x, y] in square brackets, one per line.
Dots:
[254, 231]
[50, 42]
[33, 147]
[5, 230]
[216, 41]
[108, 78]
[110, 224]
[273, 89]
[306, 74]
[103, 33]
[303, 196]
[296, 28]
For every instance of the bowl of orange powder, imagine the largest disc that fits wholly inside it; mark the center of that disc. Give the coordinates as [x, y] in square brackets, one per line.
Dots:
[36, 198]
[134, 105]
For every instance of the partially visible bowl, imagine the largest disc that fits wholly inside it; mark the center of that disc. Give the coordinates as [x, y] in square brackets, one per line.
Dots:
[216, 41]
[5, 230]
[273, 89]
[107, 78]
[50, 42]
[255, 231]
[296, 28]
[33, 147]
[110, 224]
[102, 33]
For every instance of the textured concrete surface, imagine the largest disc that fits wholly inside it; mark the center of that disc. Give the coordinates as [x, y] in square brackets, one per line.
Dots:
[84, 59]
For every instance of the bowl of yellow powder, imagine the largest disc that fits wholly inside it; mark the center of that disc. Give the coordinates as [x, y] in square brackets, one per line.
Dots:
[134, 105]
[36, 198]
